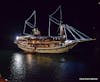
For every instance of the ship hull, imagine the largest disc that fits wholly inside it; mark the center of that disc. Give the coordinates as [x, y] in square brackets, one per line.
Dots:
[52, 50]
[60, 49]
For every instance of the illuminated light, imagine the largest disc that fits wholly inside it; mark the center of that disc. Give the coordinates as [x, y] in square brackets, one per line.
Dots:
[68, 41]
[18, 58]
[29, 58]
[17, 37]
[6, 80]
[17, 67]
[33, 42]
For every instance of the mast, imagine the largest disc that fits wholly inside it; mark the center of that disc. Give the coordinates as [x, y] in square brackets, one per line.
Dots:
[54, 20]
[49, 28]
[29, 24]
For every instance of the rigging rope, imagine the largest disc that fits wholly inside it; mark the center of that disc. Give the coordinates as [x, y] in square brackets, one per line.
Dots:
[82, 36]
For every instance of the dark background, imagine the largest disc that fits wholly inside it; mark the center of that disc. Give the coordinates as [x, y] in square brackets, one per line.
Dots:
[84, 15]
[81, 14]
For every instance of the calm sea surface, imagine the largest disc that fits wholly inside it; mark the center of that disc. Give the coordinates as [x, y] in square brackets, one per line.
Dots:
[25, 67]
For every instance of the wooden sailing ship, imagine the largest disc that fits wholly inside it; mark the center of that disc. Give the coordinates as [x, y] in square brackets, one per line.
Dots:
[36, 43]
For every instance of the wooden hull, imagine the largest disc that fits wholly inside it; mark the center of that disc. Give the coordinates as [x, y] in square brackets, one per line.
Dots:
[52, 50]
[60, 49]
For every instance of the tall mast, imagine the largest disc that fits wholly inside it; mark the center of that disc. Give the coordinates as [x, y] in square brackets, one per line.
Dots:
[54, 20]
[29, 23]
[49, 28]
[60, 15]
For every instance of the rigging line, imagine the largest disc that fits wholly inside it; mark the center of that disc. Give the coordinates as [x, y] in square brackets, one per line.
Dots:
[24, 28]
[55, 19]
[35, 19]
[31, 25]
[49, 28]
[65, 32]
[81, 33]
[58, 29]
[67, 27]
[81, 37]
[56, 10]
[27, 34]
[50, 24]
[34, 13]
[60, 15]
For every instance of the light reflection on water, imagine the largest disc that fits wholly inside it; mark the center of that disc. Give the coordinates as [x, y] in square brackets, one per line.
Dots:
[17, 67]
[42, 67]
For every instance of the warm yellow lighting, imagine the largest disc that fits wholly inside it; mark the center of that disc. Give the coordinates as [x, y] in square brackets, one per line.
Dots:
[33, 42]
[29, 58]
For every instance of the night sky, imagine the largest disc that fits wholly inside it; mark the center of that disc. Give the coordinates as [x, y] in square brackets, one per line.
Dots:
[81, 14]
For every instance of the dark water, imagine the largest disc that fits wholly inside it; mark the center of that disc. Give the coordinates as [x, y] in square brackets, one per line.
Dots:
[21, 67]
